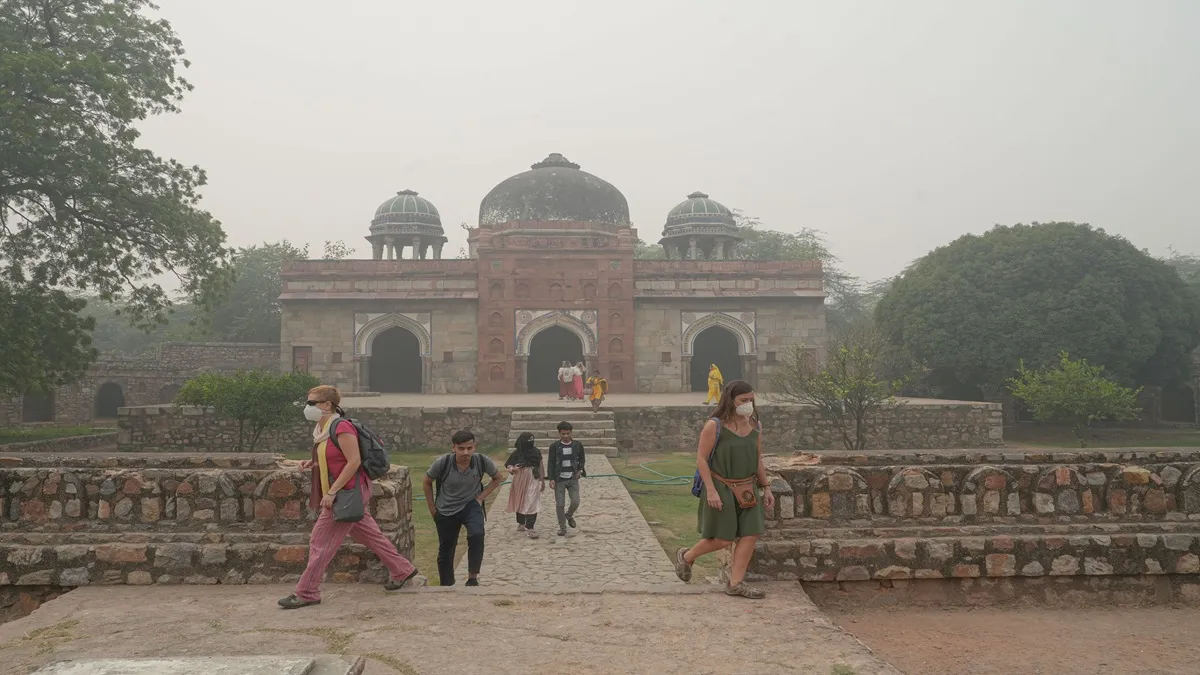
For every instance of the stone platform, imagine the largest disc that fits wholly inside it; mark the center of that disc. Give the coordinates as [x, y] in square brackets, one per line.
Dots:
[80, 519]
[969, 515]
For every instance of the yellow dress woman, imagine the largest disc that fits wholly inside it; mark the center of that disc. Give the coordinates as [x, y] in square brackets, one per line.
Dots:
[715, 383]
[599, 388]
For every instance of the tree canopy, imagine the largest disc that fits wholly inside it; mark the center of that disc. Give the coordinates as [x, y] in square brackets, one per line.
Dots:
[46, 341]
[82, 206]
[1075, 393]
[971, 311]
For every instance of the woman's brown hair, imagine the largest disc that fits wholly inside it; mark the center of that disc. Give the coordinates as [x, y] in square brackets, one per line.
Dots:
[726, 409]
[329, 393]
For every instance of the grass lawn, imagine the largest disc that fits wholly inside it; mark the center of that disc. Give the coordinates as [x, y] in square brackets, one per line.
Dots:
[425, 541]
[26, 434]
[670, 509]
[1040, 436]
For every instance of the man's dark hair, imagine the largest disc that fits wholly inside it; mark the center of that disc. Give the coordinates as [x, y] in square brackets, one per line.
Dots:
[462, 436]
[565, 426]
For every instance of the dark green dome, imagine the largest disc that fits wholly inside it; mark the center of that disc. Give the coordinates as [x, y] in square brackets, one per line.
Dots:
[406, 208]
[554, 190]
[699, 209]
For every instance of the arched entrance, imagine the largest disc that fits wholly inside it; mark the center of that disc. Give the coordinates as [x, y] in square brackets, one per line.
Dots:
[718, 345]
[1179, 405]
[109, 397]
[37, 406]
[547, 350]
[395, 365]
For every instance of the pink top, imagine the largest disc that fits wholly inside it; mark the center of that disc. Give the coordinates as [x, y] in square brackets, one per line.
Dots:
[335, 460]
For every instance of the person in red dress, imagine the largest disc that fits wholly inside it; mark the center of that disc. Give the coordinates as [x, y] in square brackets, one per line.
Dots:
[333, 470]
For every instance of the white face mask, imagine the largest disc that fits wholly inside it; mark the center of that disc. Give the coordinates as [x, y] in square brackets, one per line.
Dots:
[746, 409]
[313, 414]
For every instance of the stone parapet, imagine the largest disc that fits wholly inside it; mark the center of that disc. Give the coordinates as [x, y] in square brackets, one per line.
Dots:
[788, 428]
[172, 428]
[173, 519]
[961, 515]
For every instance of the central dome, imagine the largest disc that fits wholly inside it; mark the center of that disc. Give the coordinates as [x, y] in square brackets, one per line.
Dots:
[554, 189]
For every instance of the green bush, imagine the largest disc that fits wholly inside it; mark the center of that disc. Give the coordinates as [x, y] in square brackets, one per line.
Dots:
[1074, 393]
[259, 400]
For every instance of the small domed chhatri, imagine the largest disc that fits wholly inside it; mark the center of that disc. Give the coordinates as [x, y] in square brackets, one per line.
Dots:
[406, 220]
[700, 228]
[554, 189]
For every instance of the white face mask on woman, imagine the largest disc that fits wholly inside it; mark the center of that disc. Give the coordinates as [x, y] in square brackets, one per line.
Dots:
[746, 409]
[313, 414]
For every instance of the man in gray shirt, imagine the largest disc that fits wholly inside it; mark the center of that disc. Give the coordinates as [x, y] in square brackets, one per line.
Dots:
[459, 502]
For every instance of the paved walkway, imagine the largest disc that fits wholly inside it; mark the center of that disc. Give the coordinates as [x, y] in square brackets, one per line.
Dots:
[614, 547]
[541, 401]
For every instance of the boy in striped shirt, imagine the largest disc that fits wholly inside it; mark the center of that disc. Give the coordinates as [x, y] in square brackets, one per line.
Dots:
[564, 467]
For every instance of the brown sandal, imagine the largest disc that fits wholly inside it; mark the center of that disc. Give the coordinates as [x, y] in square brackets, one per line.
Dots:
[682, 569]
[744, 591]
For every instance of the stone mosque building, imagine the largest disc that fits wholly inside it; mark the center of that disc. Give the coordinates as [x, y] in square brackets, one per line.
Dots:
[550, 276]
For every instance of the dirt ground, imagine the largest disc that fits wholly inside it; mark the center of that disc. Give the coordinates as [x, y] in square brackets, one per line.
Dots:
[455, 631]
[1028, 641]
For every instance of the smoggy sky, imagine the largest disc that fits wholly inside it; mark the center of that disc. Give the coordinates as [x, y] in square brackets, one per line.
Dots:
[894, 127]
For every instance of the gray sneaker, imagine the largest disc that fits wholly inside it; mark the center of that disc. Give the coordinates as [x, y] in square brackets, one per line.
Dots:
[533, 534]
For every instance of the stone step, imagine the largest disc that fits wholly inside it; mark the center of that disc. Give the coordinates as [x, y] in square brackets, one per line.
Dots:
[569, 414]
[588, 442]
[552, 425]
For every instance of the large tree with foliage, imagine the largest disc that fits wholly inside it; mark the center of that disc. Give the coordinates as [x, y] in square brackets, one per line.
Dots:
[251, 312]
[971, 311]
[82, 206]
[46, 341]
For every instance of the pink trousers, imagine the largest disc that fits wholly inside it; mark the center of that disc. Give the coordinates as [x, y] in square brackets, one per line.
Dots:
[326, 539]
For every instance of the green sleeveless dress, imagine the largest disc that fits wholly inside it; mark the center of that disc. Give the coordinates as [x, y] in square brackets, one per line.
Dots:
[736, 457]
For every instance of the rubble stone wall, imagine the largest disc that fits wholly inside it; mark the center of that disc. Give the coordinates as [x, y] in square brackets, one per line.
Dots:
[141, 519]
[969, 515]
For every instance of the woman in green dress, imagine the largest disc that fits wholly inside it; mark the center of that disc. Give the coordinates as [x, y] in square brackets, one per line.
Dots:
[731, 509]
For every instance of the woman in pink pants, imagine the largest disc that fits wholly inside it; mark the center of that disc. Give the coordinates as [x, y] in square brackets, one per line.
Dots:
[332, 470]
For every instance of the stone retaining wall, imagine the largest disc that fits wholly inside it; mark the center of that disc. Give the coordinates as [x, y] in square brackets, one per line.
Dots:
[138, 519]
[658, 429]
[789, 428]
[170, 428]
[961, 515]
[64, 444]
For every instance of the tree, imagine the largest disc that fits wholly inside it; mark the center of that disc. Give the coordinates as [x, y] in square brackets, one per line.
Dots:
[337, 250]
[1074, 393]
[1188, 267]
[971, 310]
[82, 206]
[258, 400]
[114, 334]
[46, 341]
[848, 387]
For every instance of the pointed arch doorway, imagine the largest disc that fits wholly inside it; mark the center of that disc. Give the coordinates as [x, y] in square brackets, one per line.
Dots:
[547, 350]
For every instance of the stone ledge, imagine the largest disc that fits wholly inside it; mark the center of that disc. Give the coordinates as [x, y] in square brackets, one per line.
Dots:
[999, 555]
[64, 444]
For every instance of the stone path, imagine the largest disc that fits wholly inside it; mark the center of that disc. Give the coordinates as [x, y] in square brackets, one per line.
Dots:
[614, 547]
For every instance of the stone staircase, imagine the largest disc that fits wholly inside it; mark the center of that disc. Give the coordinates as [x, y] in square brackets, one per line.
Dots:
[597, 431]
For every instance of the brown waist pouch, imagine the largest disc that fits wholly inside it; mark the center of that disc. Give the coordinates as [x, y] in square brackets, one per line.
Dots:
[743, 491]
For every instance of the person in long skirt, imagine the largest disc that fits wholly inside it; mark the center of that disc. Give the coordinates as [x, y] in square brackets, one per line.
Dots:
[528, 483]
[715, 384]
[578, 383]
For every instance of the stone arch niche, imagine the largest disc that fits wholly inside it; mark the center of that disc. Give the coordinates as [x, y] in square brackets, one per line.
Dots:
[839, 494]
[989, 491]
[109, 397]
[167, 394]
[741, 365]
[393, 352]
[914, 492]
[1137, 490]
[1062, 491]
[37, 406]
[495, 320]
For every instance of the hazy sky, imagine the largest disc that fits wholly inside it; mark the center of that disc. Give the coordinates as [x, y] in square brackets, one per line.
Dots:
[894, 127]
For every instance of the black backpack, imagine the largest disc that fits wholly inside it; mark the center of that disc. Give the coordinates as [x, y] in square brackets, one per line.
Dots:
[449, 466]
[374, 456]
